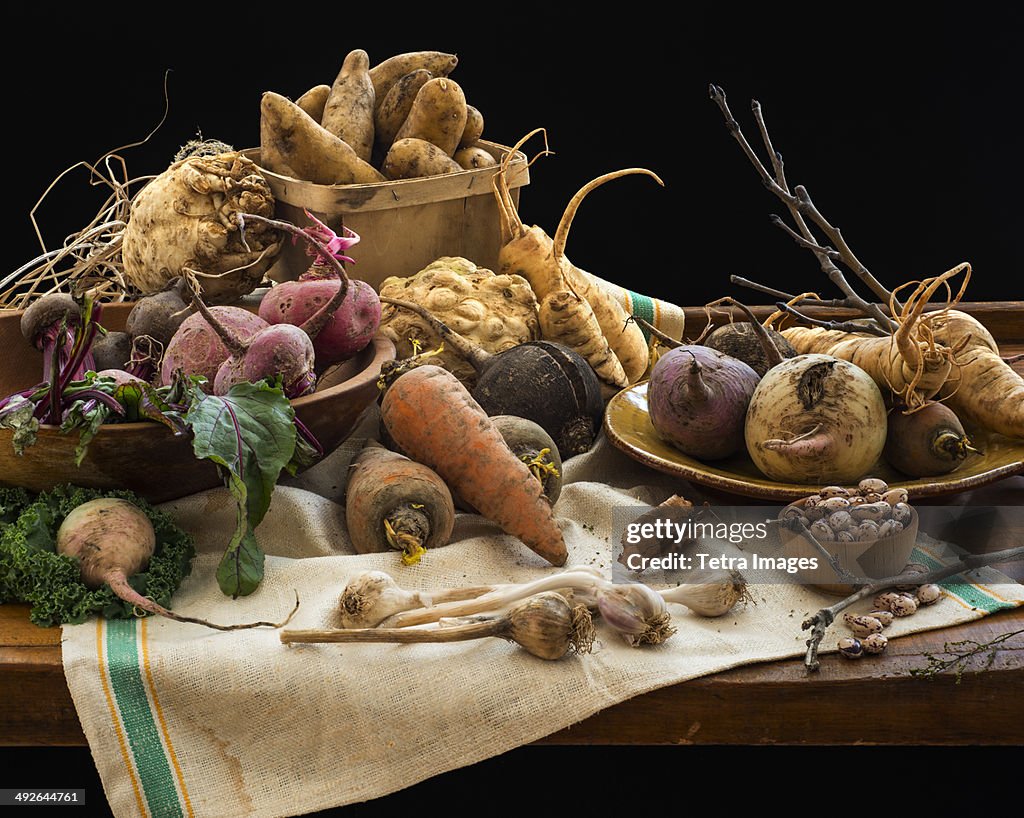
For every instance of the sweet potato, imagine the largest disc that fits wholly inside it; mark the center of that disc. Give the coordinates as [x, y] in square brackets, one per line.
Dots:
[387, 73]
[291, 139]
[392, 111]
[412, 158]
[432, 417]
[348, 112]
[314, 100]
[438, 115]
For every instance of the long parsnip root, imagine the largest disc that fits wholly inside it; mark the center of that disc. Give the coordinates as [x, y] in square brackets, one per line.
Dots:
[580, 314]
[985, 389]
[624, 336]
[910, 363]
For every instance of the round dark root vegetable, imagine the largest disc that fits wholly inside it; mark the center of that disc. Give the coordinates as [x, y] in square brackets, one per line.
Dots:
[159, 315]
[542, 381]
[697, 398]
[112, 351]
[927, 442]
[112, 539]
[49, 324]
[742, 341]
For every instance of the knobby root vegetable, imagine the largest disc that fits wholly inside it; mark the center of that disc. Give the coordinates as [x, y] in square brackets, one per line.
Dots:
[815, 419]
[113, 539]
[566, 401]
[348, 112]
[394, 503]
[697, 399]
[546, 625]
[432, 417]
[496, 312]
[185, 218]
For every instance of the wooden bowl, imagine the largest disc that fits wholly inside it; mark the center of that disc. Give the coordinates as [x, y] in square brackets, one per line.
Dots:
[147, 457]
[875, 559]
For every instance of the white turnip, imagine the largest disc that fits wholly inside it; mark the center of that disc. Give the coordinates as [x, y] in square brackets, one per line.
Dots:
[816, 419]
[113, 539]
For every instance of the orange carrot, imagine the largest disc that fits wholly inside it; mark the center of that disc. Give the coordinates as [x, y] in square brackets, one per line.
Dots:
[432, 417]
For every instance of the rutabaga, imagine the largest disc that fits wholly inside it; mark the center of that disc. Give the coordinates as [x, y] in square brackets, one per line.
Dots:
[816, 419]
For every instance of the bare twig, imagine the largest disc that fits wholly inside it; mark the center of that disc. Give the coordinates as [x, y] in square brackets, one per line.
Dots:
[802, 205]
[818, 623]
[844, 303]
[842, 326]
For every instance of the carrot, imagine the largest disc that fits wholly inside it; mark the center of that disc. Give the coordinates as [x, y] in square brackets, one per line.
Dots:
[392, 502]
[432, 417]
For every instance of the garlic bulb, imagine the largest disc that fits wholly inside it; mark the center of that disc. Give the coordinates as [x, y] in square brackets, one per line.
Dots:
[716, 594]
[637, 612]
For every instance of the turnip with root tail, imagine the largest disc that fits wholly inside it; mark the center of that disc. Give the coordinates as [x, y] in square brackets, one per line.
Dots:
[350, 326]
[562, 396]
[698, 396]
[697, 399]
[113, 539]
[815, 419]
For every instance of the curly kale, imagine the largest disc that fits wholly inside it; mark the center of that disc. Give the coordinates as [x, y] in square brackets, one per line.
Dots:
[31, 571]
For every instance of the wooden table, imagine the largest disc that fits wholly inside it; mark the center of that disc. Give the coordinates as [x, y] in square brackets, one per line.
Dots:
[767, 703]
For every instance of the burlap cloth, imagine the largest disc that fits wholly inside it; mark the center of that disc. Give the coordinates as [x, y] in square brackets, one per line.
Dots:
[183, 720]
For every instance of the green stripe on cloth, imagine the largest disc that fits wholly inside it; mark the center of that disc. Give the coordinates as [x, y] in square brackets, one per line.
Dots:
[641, 306]
[137, 717]
[971, 594]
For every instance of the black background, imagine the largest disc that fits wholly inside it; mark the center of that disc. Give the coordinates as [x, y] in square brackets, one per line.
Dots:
[905, 129]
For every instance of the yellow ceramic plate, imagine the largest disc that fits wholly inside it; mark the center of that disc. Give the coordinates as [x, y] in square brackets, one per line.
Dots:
[628, 426]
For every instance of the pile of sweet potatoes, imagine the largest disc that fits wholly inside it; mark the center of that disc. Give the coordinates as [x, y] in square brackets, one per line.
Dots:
[402, 118]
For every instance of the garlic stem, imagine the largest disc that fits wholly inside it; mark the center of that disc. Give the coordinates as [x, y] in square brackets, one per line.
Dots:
[373, 596]
[577, 579]
[545, 624]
